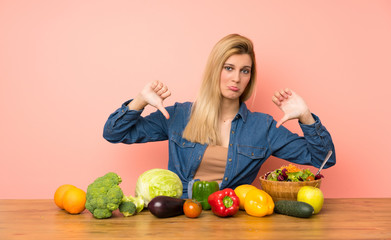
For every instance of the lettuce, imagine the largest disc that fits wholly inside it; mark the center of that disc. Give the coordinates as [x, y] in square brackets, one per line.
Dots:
[284, 175]
[158, 182]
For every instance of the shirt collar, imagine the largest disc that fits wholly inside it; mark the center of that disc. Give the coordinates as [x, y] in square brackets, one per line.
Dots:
[243, 111]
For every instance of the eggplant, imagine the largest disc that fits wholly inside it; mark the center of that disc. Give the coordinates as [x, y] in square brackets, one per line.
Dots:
[164, 207]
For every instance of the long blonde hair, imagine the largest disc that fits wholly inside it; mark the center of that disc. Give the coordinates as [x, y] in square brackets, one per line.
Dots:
[203, 123]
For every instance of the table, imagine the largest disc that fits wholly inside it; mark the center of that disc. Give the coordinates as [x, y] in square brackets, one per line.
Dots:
[339, 219]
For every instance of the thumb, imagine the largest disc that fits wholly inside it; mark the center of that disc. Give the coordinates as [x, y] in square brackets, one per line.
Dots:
[163, 111]
[282, 120]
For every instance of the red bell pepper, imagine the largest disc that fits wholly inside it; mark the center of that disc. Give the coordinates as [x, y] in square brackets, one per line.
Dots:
[224, 203]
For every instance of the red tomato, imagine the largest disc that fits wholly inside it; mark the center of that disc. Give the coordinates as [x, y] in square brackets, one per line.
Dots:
[192, 208]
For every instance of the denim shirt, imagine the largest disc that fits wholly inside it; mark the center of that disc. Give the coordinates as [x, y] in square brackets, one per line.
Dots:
[253, 138]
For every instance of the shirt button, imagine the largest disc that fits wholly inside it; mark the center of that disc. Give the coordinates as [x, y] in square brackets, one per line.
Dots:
[233, 132]
[226, 179]
[230, 159]
[230, 144]
[183, 144]
[252, 154]
[122, 110]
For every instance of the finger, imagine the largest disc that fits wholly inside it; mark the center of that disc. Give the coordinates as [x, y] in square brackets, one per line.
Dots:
[288, 91]
[154, 84]
[165, 94]
[283, 94]
[282, 121]
[276, 101]
[277, 94]
[158, 87]
[163, 111]
[162, 90]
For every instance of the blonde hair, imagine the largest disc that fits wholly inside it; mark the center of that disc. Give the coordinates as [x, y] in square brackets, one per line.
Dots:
[203, 123]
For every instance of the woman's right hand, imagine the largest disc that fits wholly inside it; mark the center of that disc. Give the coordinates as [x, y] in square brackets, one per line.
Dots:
[153, 94]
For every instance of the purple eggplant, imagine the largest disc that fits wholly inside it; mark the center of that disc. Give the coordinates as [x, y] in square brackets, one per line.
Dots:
[164, 207]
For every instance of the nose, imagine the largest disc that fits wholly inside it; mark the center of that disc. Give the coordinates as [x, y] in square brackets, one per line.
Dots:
[236, 76]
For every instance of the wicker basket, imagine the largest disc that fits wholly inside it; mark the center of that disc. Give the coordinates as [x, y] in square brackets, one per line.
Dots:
[280, 190]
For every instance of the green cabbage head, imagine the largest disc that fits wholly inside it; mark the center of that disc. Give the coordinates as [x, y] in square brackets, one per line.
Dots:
[158, 182]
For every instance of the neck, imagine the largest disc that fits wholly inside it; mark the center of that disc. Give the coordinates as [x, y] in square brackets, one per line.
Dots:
[228, 109]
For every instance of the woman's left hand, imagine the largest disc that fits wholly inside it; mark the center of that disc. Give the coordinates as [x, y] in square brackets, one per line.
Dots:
[293, 106]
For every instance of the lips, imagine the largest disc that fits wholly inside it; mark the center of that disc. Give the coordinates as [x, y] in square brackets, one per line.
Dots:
[232, 88]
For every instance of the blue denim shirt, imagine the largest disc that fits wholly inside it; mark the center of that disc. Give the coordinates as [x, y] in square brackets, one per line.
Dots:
[253, 138]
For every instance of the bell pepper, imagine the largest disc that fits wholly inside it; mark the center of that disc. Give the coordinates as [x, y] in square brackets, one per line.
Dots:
[202, 190]
[224, 203]
[258, 203]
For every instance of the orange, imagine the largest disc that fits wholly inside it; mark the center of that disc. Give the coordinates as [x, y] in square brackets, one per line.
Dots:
[241, 192]
[74, 200]
[59, 194]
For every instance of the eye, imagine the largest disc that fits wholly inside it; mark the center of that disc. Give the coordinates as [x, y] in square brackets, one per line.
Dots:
[228, 68]
[245, 71]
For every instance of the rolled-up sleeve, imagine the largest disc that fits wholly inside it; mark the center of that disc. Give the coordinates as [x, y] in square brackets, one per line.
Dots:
[128, 126]
[310, 149]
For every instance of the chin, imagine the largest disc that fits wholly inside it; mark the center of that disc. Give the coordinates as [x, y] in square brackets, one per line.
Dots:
[232, 98]
[232, 95]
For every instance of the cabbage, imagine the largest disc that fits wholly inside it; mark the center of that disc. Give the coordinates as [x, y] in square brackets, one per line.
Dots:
[158, 182]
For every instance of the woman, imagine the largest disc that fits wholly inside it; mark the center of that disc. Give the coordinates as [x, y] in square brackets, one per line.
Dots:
[217, 138]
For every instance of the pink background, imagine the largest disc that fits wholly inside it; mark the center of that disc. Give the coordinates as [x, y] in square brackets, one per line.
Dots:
[66, 65]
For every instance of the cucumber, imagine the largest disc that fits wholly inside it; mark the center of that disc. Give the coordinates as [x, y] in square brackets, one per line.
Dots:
[294, 208]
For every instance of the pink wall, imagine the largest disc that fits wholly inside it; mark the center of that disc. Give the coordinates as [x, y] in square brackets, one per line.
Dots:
[66, 65]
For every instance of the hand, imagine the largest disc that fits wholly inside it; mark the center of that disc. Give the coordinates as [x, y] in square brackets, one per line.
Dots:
[153, 94]
[293, 106]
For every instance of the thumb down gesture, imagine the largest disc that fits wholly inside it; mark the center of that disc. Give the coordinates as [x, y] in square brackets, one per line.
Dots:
[154, 94]
[293, 106]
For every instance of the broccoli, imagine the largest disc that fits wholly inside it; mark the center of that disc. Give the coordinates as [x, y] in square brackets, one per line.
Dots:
[104, 195]
[138, 201]
[127, 208]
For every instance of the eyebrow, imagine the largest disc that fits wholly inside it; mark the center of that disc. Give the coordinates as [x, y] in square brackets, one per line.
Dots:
[230, 64]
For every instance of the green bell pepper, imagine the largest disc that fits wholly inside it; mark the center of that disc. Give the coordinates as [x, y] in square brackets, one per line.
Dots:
[202, 190]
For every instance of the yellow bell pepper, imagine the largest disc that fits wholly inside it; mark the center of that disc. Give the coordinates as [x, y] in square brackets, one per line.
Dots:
[258, 203]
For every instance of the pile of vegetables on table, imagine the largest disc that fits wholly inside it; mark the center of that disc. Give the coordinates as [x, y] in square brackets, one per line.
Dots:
[104, 195]
[160, 191]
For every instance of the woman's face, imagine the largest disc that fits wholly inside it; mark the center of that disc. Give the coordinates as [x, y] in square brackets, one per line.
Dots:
[235, 76]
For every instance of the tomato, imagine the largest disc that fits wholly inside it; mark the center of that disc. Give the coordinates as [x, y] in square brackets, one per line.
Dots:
[310, 178]
[192, 208]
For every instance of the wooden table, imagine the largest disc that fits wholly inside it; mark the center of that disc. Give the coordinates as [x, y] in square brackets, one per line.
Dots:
[339, 219]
